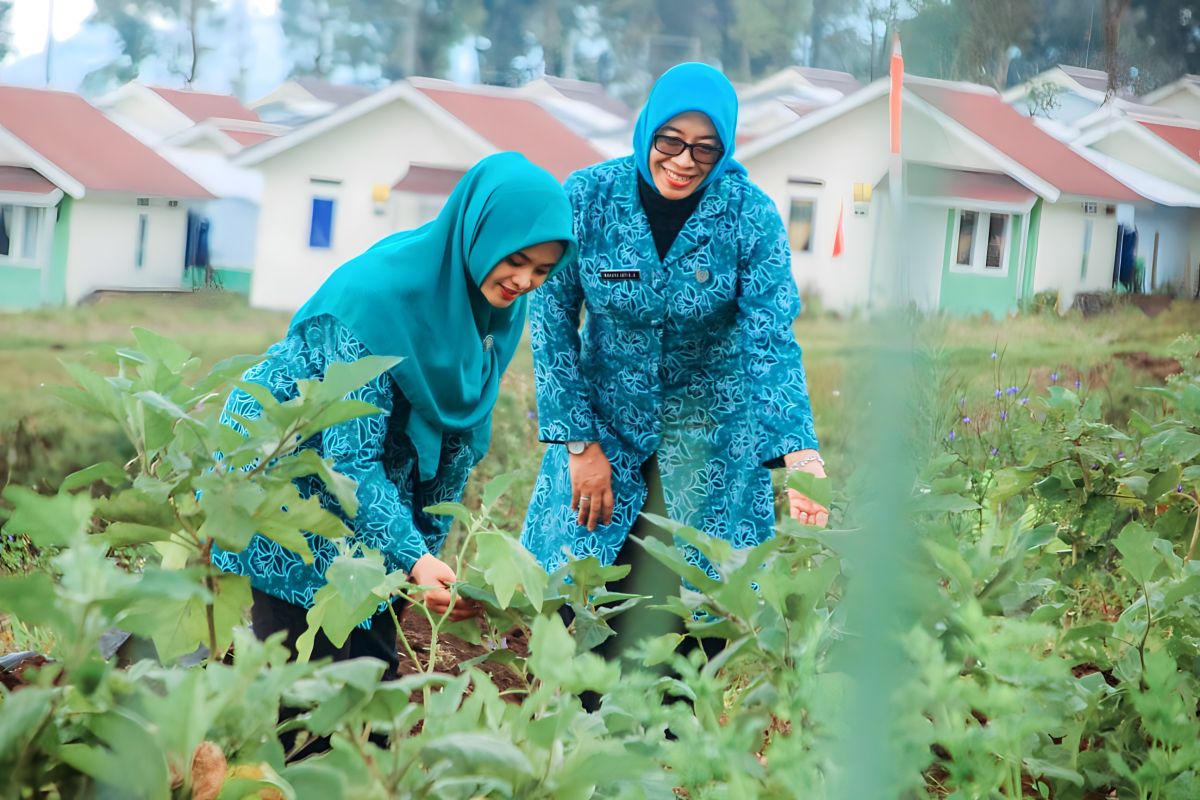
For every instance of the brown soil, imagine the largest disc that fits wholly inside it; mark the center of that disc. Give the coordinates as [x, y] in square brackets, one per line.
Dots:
[452, 651]
[1160, 368]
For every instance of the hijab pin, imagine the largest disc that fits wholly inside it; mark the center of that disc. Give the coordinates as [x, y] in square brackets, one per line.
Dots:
[488, 341]
[702, 275]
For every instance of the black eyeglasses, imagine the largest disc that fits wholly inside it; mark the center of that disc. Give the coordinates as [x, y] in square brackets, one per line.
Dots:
[701, 153]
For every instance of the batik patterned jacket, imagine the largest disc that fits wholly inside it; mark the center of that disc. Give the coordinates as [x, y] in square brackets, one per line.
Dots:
[373, 450]
[691, 359]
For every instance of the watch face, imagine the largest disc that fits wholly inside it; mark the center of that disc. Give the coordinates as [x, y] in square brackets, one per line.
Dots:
[575, 448]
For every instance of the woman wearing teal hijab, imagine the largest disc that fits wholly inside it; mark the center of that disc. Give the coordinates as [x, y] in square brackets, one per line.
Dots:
[685, 385]
[450, 298]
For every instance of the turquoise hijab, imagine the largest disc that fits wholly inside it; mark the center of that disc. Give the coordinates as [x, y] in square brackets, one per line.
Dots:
[416, 295]
[689, 87]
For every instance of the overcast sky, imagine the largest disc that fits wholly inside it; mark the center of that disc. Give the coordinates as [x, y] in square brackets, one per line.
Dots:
[30, 18]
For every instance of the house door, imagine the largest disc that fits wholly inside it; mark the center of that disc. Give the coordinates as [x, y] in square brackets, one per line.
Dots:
[1124, 265]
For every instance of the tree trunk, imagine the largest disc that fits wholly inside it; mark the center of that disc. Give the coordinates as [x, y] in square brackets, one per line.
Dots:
[1113, 10]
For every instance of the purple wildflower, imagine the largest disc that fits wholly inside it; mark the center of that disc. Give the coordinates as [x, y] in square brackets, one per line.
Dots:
[1013, 389]
[1121, 455]
[999, 393]
[1179, 489]
[994, 355]
[966, 420]
[1003, 416]
[530, 414]
[1054, 377]
[951, 436]
[995, 451]
[1078, 383]
[1024, 401]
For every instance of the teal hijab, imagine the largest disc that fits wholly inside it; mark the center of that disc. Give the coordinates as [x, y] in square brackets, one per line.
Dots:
[416, 295]
[689, 87]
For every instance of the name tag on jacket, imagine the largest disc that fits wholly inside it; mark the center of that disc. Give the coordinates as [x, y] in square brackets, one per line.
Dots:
[620, 274]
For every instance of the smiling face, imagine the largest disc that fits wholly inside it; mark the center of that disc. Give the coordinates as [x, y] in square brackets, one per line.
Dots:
[678, 176]
[520, 273]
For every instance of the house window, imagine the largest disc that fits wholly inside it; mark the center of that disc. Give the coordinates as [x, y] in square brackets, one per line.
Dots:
[320, 228]
[981, 242]
[20, 233]
[139, 258]
[1090, 208]
[800, 225]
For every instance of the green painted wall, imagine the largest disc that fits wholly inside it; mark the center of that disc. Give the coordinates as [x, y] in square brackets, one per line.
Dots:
[20, 288]
[1031, 245]
[56, 283]
[44, 283]
[235, 280]
[974, 294]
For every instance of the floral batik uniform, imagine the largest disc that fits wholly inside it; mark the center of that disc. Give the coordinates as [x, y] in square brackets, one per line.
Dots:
[690, 359]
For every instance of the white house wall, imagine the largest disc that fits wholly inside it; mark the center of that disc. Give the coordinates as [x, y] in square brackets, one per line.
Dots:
[150, 113]
[1060, 250]
[1174, 227]
[233, 228]
[1134, 150]
[930, 141]
[374, 149]
[924, 239]
[103, 246]
[851, 149]
[1185, 104]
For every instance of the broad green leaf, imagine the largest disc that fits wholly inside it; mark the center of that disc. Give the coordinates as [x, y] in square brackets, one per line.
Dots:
[165, 405]
[1162, 483]
[125, 534]
[335, 414]
[315, 780]
[819, 490]
[659, 649]
[57, 520]
[1139, 558]
[456, 510]
[479, 754]
[1177, 445]
[496, 487]
[355, 579]
[1137, 484]
[22, 718]
[507, 566]
[100, 393]
[173, 355]
[307, 462]
[191, 628]
[225, 371]
[112, 474]
[342, 378]
[1007, 483]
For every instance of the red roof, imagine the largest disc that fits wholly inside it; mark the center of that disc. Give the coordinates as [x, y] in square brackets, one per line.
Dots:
[199, 106]
[515, 123]
[926, 181]
[24, 181]
[247, 138]
[1185, 140]
[78, 139]
[424, 179]
[1015, 135]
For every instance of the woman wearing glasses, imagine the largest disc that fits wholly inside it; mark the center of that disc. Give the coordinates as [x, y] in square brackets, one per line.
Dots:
[685, 385]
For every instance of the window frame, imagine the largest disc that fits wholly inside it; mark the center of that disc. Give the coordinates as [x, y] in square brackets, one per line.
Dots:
[979, 243]
[16, 237]
[312, 218]
[813, 201]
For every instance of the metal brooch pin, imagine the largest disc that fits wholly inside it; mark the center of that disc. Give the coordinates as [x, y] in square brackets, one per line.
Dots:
[702, 275]
[488, 341]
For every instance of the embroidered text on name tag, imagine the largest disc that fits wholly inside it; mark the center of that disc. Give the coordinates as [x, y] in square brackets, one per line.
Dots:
[620, 274]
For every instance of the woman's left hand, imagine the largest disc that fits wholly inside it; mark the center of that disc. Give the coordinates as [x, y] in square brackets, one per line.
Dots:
[804, 509]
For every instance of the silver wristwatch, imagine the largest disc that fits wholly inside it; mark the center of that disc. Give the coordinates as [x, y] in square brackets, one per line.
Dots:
[576, 448]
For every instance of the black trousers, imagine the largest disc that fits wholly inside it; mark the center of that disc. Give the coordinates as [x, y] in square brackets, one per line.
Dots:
[646, 577]
[269, 615]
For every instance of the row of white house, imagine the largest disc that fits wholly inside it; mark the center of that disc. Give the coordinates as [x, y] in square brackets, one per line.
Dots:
[154, 188]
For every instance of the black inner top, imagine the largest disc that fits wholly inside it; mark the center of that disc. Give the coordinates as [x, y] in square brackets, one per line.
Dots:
[666, 217]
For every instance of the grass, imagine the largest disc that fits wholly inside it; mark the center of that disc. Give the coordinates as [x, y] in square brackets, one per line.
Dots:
[42, 439]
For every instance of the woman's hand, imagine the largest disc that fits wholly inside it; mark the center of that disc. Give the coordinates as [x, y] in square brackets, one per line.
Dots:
[804, 509]
[433, 572]
[591, 486]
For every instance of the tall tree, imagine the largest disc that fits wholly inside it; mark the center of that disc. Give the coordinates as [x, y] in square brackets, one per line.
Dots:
[1167, 40]
[1113, 60]
[5, 32]
[192, 16]
[973, 40]
[310, 27]
[137, 39]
